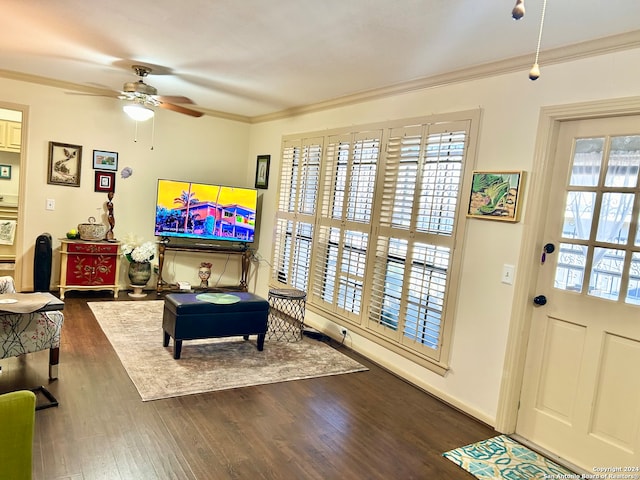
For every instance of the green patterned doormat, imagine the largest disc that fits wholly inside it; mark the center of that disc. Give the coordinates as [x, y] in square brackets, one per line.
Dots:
[503, 458]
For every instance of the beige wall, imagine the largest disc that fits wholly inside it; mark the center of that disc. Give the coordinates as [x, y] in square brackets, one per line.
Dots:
[222, 151]
[510, 106]
[184, 148]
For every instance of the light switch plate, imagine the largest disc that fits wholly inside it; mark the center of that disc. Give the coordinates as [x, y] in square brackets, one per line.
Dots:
[508, 271]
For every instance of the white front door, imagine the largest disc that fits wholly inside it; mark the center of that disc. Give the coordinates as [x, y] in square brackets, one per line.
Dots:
[581, 392]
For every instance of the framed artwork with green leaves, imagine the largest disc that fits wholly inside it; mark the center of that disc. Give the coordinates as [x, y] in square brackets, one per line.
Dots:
[495, 195]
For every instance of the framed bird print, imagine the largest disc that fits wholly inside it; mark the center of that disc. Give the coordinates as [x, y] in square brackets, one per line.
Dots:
[65, 161]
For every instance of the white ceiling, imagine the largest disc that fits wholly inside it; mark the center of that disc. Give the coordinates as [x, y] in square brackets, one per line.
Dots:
[255, 57]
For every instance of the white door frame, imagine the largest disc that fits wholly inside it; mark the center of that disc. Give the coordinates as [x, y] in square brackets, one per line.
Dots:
[22, 188]
[531, 249]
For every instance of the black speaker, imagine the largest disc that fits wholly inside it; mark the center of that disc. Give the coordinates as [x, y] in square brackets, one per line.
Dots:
[42, 263]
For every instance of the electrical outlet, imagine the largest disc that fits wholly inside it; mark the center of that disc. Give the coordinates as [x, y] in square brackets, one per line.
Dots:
[344, 332]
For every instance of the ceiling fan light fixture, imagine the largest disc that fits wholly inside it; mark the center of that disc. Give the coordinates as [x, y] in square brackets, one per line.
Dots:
[138, 112]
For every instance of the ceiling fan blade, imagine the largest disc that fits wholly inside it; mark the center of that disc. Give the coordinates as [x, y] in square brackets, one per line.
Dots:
[174, 99]
[179, 109]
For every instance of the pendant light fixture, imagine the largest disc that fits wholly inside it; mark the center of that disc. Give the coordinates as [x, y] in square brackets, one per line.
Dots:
[517, 13]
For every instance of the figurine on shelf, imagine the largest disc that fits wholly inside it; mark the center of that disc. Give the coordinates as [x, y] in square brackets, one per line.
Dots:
[112, 220]
[204, 272]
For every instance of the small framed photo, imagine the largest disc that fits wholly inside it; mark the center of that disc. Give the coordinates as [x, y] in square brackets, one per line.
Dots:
[5, 172]
[103, 160]
[262, 171]
[496, 195]
[105, 181]
[65, 161]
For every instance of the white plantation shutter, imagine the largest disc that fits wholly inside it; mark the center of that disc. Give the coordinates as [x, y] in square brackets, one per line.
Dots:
[334, 178]
[295, 219]
[427, 278]
[441, 179]
[367, 228]
[400, 174]
[423, 174]
[289, 176]
[344, 223]
[309, 178]
[281, 253]
[340, 270]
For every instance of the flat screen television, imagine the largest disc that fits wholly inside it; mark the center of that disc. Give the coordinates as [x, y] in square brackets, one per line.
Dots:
[205, 211]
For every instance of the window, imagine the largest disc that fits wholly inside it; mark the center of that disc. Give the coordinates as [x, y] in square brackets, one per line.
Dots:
[296, 212]
[367, 222]
[602, 191]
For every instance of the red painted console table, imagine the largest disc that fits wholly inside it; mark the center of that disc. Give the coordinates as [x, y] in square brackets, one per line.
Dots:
[89, 265]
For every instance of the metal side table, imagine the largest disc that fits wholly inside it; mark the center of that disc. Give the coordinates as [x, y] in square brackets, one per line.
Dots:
[286, 314]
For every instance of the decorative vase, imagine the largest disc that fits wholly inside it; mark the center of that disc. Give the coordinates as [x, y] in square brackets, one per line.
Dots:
[139, 273]
[204, 272]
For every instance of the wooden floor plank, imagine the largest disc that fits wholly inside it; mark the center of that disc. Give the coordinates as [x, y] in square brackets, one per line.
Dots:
[363, 425]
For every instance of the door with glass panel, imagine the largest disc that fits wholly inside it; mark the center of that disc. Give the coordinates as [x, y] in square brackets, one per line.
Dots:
[581, 391]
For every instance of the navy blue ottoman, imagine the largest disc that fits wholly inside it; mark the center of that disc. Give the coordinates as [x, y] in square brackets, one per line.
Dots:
[186, 317]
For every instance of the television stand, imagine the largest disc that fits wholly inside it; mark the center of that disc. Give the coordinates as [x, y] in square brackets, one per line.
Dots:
[244, 253]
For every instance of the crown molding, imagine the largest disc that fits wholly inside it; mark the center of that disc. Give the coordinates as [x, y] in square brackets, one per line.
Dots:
[600, 46]
[77, 89]
[24, 77]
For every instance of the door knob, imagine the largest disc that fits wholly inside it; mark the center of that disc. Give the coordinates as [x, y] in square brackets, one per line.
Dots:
[540, 300]
[548, 248]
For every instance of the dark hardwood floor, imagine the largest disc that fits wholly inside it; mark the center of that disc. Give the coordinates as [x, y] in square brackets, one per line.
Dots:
[368, 425]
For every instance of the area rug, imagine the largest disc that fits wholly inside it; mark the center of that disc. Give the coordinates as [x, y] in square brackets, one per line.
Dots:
[134, 329]
[503, 458]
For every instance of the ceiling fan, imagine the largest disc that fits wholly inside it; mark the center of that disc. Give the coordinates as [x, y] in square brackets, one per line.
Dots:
[142, 96]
